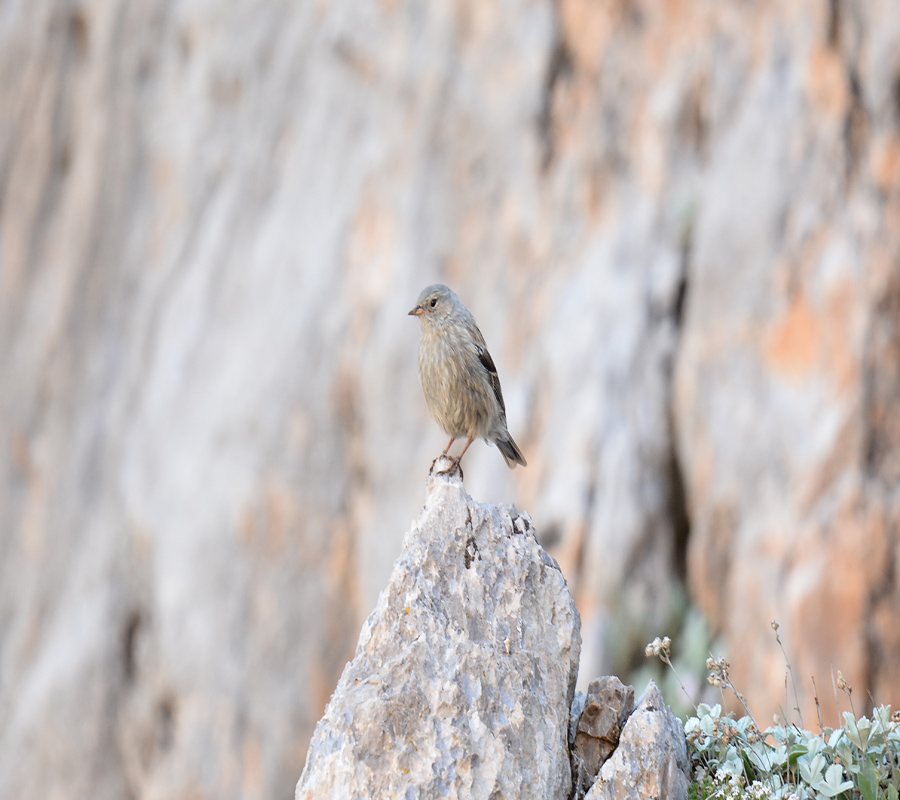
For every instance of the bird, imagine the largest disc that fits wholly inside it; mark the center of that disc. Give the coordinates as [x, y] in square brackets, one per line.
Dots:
[458, 375]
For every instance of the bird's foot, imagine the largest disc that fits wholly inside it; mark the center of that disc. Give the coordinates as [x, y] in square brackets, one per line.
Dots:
[453, 466]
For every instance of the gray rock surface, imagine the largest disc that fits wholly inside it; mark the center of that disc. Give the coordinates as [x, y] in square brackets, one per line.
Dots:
[650, 762]
[464, 672]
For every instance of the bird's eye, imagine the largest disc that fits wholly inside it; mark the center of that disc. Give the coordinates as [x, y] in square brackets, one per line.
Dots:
[433, 302]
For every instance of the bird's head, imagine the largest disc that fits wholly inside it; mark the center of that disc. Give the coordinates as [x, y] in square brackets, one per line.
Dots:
[435, 305]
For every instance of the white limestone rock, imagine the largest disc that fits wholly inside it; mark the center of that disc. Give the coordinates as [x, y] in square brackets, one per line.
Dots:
[464, 672]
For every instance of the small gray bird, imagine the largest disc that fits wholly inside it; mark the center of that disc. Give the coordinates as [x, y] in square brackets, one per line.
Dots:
[458, 375]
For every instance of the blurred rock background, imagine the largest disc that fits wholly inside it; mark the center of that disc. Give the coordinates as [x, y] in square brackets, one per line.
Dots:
[677, 223]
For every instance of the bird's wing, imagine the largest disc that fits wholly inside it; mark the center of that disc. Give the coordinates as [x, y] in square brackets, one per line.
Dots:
[485, 358]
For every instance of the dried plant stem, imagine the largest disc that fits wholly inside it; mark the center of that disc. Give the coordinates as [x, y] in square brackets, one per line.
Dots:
[740, 697]
[818, 707]
[775, 627]
[661, 648]
[719, 676]
[837, 701]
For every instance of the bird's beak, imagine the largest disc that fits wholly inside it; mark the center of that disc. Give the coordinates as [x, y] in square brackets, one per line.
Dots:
[416, 311]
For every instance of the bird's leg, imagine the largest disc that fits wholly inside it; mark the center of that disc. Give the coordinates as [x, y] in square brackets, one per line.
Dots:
[455, 461]
[446, 449]
[459, 457]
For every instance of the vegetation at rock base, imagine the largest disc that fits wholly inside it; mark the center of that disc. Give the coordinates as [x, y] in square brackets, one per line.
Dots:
[734, 758]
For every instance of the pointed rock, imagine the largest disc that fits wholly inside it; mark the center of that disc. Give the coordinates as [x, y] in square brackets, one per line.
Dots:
[464, 672]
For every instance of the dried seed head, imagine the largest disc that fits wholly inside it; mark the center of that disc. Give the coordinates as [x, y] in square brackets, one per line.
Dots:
[842, 684]
[661, 648]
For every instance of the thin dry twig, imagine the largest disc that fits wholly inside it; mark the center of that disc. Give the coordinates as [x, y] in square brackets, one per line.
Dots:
[775, 627]
[719, 676]
[837, 702]
[818, 707]
[847, 689]
[662, 649]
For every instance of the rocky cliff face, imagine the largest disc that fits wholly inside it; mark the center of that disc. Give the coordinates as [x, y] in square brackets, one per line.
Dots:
[675, 222]
[786, 382]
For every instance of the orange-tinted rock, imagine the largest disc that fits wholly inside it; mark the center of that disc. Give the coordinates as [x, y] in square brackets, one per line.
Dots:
[213, 218]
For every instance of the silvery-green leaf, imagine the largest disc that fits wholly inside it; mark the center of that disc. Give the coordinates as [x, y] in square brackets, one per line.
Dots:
[813, 745]
[743, 724]
[811, 768]
[732, 764]
[833, 738]
[833, 784]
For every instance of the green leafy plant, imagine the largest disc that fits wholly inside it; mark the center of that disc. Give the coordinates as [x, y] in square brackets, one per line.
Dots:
[733, 758]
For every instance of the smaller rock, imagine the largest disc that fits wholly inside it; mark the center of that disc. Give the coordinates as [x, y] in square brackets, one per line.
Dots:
[606, 707]
[651, 759]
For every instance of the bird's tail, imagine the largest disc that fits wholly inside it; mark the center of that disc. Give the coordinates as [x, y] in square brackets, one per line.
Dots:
[510, 451]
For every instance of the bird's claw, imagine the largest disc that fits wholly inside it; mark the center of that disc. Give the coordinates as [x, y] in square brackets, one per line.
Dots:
[454, 466]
